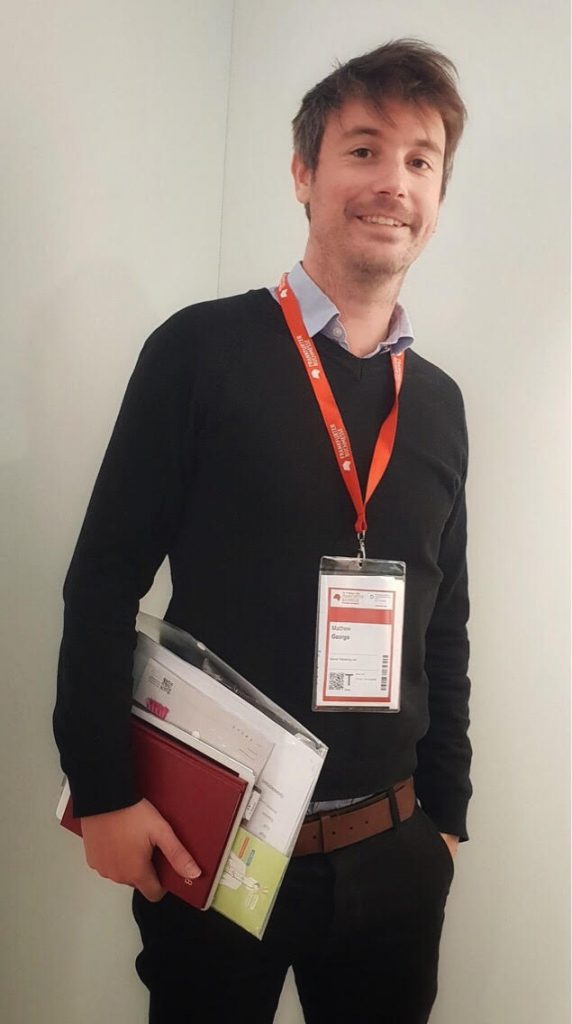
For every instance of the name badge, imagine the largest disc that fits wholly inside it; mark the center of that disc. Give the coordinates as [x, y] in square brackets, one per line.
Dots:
[359, 635]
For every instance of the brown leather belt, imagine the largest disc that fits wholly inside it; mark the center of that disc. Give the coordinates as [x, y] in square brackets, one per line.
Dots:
[330, 830]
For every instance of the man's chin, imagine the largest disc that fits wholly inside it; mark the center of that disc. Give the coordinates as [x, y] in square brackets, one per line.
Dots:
[376, 269]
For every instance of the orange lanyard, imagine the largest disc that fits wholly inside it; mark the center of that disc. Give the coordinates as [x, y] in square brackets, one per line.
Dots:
[332, 416]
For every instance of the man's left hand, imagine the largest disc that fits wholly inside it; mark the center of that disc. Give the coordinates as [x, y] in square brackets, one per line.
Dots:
[451, 841]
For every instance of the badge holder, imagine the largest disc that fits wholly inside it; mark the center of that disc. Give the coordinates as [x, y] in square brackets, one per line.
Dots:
[359, 634]
[360, 600]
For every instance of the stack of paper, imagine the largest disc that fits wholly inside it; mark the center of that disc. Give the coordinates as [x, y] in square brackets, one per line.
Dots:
[182, 684]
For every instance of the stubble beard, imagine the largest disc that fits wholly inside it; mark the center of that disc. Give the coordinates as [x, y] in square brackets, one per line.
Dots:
[369, 271]
[373, 271]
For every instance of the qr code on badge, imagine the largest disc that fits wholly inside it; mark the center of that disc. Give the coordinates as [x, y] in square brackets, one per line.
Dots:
[336, 680]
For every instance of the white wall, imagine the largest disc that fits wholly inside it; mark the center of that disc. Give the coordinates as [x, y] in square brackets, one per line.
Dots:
[114, 116]
[489, 303]
[114, 120]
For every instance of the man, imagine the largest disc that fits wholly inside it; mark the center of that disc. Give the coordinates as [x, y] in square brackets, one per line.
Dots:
[221, 460]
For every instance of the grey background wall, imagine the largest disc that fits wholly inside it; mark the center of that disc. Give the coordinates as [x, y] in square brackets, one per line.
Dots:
[145, 166]
[114, 117]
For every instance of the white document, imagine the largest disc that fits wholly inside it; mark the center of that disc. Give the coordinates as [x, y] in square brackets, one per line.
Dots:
[163, 693]
[286, 785]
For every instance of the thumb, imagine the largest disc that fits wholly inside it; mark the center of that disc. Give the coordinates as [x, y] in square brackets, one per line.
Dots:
[179, 858]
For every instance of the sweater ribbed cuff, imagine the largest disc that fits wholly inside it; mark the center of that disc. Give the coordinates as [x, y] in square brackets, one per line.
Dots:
[102, 789]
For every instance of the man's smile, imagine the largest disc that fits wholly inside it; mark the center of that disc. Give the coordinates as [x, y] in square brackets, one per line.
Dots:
[384, 221]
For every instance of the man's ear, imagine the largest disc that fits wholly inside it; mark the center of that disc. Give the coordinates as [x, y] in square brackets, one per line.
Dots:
[302, 176]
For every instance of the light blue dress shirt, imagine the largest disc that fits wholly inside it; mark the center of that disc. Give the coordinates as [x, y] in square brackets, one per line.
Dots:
[320, 314]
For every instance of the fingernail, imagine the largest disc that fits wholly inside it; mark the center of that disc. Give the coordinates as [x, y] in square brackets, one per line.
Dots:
[192, 870]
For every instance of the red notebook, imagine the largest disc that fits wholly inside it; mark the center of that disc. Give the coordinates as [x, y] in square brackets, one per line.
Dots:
[202, 801]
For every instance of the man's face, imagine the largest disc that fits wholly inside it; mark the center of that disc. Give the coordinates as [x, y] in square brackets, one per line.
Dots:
[374, 196]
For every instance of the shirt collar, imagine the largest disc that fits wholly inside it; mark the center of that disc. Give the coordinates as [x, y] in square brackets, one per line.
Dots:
[316, 308]
[320, 314]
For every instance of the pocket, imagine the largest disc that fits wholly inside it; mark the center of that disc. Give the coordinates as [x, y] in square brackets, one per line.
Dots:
[438, 841]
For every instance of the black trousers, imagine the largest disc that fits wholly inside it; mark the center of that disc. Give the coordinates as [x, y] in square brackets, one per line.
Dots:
[360, 927]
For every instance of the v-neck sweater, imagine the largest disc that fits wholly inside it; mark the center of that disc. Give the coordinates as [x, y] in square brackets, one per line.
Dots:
[220, 461]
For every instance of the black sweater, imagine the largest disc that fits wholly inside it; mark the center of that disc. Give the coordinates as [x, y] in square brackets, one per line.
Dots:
[220, 460]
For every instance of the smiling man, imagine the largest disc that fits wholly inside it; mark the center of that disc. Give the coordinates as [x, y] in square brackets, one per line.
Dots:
[289, 424]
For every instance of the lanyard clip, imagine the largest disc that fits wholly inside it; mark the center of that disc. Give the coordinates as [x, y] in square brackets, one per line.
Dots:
[361, 556]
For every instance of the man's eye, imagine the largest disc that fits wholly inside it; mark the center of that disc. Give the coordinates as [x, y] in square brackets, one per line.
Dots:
[419, 160]
[362, 152]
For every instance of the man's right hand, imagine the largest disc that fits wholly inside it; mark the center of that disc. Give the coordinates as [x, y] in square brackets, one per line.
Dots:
[119, 845]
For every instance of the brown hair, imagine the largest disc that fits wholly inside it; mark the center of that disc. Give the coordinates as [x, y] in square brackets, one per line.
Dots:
[405, 69]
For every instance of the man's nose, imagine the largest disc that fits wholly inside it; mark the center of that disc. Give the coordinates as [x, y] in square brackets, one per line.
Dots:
[390, 179]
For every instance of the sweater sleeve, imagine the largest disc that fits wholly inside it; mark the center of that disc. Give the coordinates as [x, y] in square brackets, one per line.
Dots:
[130, 522]
[444, 753]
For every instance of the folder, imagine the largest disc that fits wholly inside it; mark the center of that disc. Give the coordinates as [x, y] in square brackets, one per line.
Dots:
[186, 691]
[183, 683]
[203, 800]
